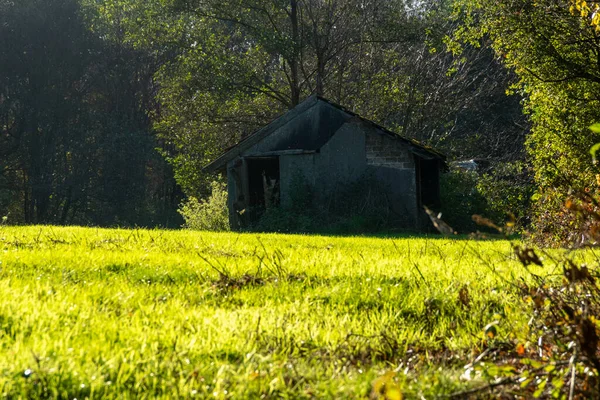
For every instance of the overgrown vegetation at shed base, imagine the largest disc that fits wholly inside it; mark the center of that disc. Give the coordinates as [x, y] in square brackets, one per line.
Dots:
[117, 313]
[207, 214]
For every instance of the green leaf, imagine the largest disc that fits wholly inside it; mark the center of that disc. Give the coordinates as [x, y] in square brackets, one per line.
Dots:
[534, 363]
[558, 383]
[540, 389]
[549, 368]
[595, 128]
[594, 150]
[526, 383]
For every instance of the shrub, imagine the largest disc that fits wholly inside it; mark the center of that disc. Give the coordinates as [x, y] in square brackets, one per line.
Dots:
[508, 187]
[559, 356]
[461, 198]
[505, 188]
[208, 214]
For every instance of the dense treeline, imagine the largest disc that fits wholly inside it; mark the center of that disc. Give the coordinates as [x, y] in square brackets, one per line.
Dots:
[89, 89]
[75, 141]
[234, 65]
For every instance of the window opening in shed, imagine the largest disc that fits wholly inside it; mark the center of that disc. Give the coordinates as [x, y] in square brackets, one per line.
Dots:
[428, 182]
[263, 184]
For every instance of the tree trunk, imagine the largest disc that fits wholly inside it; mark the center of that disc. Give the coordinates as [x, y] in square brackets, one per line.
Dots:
[320, 74]
[67, 206]
[295, 89]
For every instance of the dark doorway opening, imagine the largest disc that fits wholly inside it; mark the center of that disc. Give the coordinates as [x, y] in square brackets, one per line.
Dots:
[428, 182]
[263, 184]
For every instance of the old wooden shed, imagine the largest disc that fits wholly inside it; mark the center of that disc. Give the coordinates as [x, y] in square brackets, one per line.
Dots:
[328, 147]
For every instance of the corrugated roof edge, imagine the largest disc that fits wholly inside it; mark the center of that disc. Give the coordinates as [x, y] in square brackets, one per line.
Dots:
[221, 161]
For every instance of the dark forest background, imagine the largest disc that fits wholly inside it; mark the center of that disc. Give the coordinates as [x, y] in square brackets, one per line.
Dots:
[76, 138]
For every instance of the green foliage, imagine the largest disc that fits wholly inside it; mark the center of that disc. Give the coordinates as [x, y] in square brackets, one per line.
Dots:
[503, 192]
[209, 214]
[553, 52]
[461, 198]
[134, 313]
[508, 189]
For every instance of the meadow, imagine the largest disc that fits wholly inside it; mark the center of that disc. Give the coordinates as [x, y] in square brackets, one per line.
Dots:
[98, 313]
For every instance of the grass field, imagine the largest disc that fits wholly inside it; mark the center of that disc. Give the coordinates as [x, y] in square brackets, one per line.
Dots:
[144, 314]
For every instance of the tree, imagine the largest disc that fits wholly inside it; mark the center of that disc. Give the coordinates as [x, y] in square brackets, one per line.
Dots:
[554, 48]
[74, 125]
[231, 66]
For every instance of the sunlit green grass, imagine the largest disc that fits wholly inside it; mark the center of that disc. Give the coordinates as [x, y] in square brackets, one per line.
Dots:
[99, 313]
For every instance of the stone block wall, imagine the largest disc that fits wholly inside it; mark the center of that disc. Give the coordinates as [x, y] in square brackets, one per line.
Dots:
[385, 151]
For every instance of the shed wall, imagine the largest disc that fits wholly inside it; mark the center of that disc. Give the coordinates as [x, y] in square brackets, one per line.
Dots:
[341, 161]
[393, 165]
[384, 151]
[400, 184]
[295, 170]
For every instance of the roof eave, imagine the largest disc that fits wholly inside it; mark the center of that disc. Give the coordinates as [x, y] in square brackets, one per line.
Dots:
[257, 136]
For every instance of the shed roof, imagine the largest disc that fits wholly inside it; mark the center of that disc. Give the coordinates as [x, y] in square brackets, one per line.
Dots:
[312, 139]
